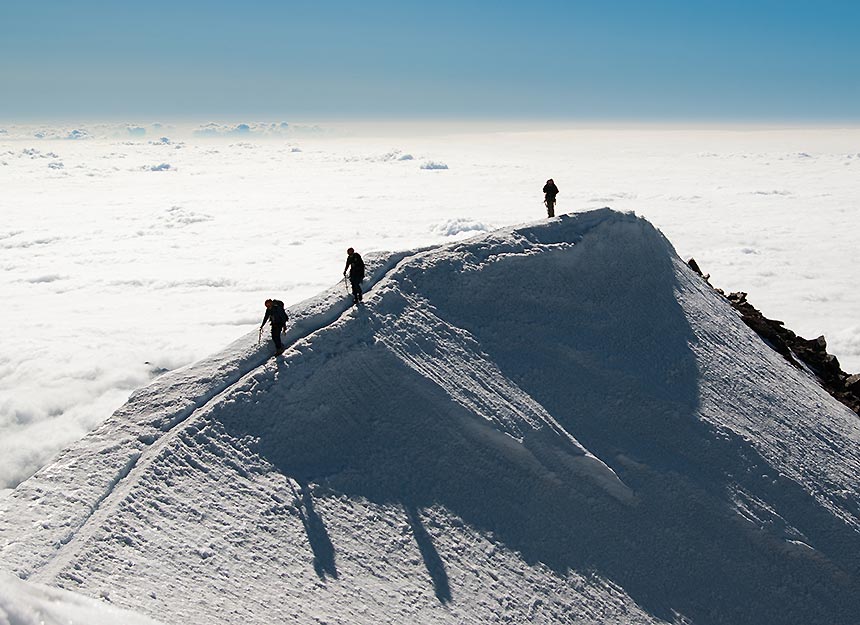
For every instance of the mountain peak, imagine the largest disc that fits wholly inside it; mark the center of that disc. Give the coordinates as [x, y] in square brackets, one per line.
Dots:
[553, 422]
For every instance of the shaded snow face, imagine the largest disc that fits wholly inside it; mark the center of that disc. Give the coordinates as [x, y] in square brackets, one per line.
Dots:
[129, 251]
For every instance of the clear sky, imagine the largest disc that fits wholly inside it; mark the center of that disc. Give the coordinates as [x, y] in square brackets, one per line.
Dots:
[630, 60]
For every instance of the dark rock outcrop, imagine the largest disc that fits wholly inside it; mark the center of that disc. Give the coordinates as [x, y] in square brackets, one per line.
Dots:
[800, 352]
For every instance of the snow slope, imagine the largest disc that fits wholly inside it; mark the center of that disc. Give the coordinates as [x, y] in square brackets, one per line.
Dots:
[556, 423]
[22, 603]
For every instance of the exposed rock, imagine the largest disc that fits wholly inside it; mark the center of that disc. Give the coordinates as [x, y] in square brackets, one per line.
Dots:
[796, 349]
[695, 267]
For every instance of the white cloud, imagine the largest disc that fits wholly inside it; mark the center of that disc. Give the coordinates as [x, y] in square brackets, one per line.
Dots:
[34, 153]
[51, 277]
[133, 130]
[256, 129]
[387, 157]
[454, 227]
[846, 343]
[213, 129]
[179, 216]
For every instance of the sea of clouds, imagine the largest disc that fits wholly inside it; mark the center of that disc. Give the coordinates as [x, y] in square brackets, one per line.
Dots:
[130, 249]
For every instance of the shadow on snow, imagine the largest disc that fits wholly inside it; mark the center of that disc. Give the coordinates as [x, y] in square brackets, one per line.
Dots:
[612, 364]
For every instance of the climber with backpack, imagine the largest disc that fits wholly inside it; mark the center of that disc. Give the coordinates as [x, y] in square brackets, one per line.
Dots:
[550, 190]
[355, 266]
[277, 315]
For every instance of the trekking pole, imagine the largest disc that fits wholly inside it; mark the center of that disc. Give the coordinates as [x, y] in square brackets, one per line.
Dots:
[260, 336]
[346, 286]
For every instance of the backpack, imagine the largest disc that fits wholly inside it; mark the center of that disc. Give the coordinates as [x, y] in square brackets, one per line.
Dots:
[279, 314]
[357, 266]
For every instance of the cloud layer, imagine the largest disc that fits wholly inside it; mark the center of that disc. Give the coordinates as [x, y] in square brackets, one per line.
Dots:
[126, 253]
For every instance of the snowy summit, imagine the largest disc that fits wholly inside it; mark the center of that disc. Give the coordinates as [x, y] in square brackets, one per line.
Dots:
[555, 423]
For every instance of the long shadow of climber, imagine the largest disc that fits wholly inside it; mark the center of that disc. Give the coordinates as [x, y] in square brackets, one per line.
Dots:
[320, 543]
[434, 564]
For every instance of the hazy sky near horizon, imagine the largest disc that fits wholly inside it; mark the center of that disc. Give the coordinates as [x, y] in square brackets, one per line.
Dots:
[664, 60]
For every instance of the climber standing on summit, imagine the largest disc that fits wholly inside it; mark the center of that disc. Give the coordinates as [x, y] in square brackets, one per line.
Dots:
[355, 266]
[550, 191]
[277, 314]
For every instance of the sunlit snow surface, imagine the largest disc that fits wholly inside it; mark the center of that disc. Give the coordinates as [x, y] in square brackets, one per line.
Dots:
[130, 249]
[23, 603]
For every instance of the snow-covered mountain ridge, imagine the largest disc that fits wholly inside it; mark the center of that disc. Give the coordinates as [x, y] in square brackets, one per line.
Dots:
[555, 423]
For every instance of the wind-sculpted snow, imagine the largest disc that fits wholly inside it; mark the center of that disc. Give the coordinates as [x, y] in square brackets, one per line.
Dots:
[558, 423]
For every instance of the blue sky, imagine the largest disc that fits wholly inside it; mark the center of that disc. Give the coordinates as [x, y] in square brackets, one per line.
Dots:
[649, 60]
